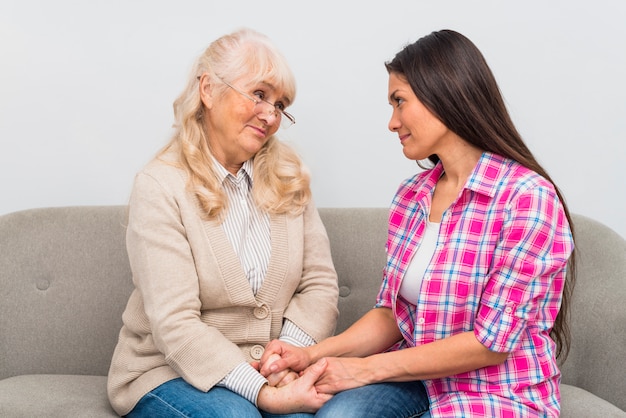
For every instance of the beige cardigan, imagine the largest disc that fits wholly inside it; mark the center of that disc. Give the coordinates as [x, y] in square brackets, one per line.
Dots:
[193, 313]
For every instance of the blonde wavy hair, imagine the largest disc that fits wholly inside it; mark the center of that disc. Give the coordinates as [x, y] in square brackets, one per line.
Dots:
[281, 182]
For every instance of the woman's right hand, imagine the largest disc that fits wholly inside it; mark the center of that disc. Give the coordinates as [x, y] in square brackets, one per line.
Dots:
[279, 356]
[299, 395]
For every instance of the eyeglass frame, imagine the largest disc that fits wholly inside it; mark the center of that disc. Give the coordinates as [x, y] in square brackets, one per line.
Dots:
[276, 112]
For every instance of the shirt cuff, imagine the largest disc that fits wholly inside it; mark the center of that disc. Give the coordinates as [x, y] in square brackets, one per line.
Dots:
[245, 381]
[293, 334]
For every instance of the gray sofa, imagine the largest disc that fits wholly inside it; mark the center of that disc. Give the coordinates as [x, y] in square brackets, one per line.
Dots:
[65, 279]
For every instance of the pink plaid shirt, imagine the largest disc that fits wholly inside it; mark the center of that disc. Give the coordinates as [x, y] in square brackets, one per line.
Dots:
[498, 269]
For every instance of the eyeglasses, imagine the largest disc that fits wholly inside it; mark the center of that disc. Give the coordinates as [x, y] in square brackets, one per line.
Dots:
[285, 122]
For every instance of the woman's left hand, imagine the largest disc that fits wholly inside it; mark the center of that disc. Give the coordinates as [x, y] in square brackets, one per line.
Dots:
[343, 373]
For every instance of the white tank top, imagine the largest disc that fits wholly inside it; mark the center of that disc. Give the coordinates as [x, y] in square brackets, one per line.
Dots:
[412, 280]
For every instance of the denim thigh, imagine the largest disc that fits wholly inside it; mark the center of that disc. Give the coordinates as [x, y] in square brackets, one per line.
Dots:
[177, 398]
[379, 400]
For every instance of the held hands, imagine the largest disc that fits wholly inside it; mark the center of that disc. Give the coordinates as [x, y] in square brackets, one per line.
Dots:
[280, 378]
[299, 395]
[280, 356]
[288, 391]
[340, 373]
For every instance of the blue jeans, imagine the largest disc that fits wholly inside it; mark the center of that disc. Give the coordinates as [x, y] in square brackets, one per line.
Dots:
[380, 400]
[177, 398]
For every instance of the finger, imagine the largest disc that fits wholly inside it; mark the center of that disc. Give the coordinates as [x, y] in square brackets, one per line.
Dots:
[323, 385]
[273, 347]
[255, 364]
[266, 366]
[325, 389]
[275, 378]
[289, 377]
[276, 366]
[273, 351]
[313, 372]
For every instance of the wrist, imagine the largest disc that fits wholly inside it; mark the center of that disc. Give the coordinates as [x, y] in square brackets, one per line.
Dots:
[312, 354]
[265, 397]
[269, 401]
[377, 368]
[325, 348]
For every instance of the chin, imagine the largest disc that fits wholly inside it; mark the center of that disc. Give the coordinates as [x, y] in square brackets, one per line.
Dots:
[411, 155]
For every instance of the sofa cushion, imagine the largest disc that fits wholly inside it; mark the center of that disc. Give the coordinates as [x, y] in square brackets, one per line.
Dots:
[52, 396]
[576, 400]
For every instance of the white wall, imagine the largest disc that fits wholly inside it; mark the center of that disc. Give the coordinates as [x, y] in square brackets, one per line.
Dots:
[86, 89]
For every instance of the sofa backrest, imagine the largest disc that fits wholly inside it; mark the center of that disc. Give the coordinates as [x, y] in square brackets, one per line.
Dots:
[65, 280]
[357, 242]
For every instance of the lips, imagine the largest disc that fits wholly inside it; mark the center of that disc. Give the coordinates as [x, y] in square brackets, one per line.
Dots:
[262, 132]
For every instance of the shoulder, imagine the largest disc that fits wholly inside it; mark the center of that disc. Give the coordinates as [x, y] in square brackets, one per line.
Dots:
[160, 183]
[163, 171]
[522, 181]
[495, 174]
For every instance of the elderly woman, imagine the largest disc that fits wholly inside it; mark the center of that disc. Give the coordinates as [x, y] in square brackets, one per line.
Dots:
[227, 250]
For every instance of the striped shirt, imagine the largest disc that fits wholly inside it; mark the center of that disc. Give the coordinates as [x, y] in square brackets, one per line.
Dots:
[498, 270]
[247, 227]
[248, 230]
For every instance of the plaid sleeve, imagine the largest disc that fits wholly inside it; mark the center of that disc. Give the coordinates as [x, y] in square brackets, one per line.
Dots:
[528, 271]
[383, 300]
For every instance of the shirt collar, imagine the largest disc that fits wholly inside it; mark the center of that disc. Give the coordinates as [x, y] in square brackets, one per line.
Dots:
[488, 173]
[246, 171]
[483, 179]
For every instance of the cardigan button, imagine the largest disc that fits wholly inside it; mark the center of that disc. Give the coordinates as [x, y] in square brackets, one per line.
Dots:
[256, 352]
[261, 312]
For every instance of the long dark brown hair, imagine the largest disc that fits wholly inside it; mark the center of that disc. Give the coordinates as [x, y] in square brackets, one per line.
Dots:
[450, 76]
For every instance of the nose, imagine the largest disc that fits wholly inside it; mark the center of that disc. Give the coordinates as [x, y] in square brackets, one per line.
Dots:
[394, 123]
[269, 114]
[270, 118]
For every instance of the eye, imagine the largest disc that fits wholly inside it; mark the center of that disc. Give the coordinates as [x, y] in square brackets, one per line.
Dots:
[396, 101]
[259, 94]
[280, 106]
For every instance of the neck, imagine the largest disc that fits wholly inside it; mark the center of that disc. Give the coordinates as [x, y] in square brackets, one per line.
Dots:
[460, 164]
